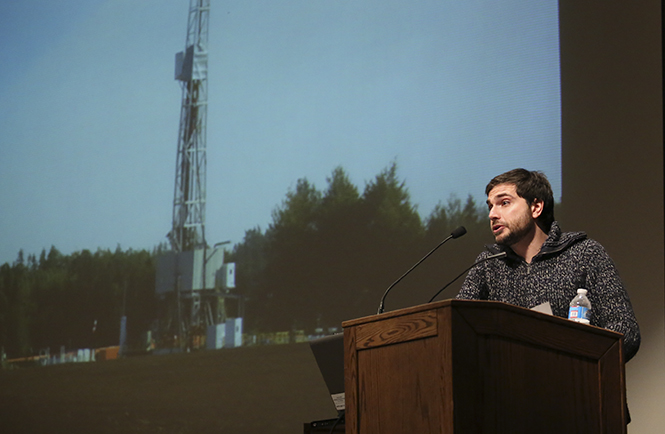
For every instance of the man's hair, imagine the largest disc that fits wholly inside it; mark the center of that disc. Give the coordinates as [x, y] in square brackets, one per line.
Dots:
[530, 186]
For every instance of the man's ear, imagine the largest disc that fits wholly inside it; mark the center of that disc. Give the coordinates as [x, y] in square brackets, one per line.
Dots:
[537, 207]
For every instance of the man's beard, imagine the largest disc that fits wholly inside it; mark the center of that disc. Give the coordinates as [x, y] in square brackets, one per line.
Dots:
[517, 231]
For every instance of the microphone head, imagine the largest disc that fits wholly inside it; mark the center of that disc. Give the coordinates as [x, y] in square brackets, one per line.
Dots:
[458, 232]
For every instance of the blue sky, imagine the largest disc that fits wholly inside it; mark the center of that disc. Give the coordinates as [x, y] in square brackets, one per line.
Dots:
[454, 92]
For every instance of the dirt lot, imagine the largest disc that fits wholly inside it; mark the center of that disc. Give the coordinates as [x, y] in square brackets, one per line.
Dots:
[268, 389]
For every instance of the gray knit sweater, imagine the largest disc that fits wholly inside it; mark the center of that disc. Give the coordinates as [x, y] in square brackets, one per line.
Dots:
[566, 261]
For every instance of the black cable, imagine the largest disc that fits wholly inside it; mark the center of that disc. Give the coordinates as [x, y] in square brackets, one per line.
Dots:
[339, 418]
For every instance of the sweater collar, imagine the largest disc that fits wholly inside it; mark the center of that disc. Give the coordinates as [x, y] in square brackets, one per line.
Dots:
[556, 241]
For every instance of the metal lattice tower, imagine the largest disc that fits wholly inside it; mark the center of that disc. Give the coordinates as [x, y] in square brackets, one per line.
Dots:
[187, 233]
[189, 198]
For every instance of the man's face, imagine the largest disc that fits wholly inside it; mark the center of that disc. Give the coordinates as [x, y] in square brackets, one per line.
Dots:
[511, 217]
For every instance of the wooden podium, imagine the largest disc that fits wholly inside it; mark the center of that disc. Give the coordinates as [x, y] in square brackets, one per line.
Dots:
[481, 367]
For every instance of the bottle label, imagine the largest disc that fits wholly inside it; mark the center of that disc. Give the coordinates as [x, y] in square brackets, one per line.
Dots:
[579, 314]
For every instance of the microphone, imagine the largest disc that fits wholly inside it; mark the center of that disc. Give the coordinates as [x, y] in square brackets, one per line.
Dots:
[489, 258]
[454, 234]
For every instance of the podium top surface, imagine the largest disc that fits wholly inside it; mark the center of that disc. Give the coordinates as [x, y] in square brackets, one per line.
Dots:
[481, 305]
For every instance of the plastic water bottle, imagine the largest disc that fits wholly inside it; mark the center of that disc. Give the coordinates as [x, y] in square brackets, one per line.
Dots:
[580, 307]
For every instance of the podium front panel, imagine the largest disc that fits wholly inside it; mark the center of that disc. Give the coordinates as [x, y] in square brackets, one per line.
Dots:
[397, 385]
[481, 367]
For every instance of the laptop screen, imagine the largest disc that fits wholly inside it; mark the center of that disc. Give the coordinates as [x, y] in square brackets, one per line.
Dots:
[329, 354]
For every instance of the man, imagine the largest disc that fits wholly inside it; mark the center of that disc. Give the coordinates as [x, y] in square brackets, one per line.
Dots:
[542, 263]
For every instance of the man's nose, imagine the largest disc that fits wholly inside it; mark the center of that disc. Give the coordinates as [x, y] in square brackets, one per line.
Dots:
[493, 214]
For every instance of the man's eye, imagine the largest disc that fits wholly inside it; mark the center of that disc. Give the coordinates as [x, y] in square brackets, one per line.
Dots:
[505, 202]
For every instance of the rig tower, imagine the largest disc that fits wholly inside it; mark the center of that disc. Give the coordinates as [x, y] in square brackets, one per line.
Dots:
[192, 279]
[189, 197]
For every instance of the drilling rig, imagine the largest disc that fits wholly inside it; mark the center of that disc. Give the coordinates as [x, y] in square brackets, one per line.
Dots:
[192, 280]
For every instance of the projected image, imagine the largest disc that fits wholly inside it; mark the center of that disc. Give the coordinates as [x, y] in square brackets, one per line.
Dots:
[343, 140]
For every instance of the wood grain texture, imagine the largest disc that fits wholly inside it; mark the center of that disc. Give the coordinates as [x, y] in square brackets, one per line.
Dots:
[399, 388]
[399, 329]
[350, 381]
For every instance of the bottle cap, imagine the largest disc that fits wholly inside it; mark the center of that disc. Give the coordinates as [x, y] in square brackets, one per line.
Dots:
[581, 291]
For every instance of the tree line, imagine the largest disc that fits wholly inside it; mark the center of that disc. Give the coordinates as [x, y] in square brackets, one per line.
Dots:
[75, 300]
[327, 256]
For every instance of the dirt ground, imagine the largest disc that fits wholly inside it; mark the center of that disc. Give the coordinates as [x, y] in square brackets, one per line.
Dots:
[263, 389]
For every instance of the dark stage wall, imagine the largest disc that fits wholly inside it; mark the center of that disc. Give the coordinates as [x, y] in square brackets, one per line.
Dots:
[612, 153]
